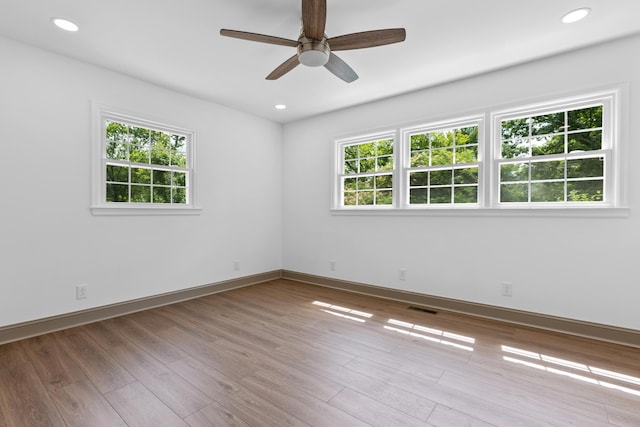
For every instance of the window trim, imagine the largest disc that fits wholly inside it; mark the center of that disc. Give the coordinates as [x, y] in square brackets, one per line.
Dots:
[99, 205]
[616, 163]
[610, 146]
[337, 192]
[405, 148]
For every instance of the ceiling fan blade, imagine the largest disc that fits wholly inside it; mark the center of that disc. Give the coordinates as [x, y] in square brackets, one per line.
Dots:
[314, 18]
[284, 68]
[258, 38]
[340, 68]
[367, 39]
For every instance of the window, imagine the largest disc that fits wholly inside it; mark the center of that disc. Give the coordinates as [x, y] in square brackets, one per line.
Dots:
[562, 155]
[366, 172]
[443, 165]
[558, 155]
[143, 164]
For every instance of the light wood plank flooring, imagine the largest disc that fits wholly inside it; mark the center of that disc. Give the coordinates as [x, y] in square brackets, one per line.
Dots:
[289, 354]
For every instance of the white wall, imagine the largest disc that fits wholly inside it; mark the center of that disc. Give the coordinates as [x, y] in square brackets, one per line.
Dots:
[578, 268]
[50, 241]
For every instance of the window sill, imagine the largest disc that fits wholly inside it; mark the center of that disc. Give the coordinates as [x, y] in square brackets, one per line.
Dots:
[144, 210]
[576, 212]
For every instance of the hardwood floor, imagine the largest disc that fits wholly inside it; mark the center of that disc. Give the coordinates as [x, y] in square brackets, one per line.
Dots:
[284, 353]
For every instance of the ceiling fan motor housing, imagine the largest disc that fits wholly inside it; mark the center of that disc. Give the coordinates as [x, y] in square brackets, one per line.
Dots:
[313, 53]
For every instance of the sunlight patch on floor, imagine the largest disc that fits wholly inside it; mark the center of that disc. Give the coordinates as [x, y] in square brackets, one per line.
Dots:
[344, 312]
[434, 335]
[546, 363]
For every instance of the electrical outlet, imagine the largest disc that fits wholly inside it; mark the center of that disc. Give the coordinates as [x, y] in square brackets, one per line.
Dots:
[332, 265]
[82, 291]
[402, 274]
[507, 289]
[236, 265]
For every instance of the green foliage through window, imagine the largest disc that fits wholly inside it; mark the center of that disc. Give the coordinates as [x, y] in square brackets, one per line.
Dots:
[367, 169]
[553, 157]
[561, 154]
[144, 165]
[443, 166]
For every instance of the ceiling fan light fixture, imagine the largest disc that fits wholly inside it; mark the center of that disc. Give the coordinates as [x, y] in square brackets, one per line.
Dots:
[313, 58]
[313, 53]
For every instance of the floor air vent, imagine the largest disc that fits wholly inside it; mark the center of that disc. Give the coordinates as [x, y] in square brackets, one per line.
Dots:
[424, 310]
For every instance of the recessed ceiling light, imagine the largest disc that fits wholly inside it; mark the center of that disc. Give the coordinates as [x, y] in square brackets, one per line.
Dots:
[65, 24]
[281, 107]
[575, 15]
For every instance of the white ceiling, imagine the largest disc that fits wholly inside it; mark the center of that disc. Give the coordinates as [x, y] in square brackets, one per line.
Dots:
[176, 43]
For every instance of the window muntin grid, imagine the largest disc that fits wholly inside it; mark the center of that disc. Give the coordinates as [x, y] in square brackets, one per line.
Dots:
[555, 157]
[443, 166]
[143, 165]
[367, 173]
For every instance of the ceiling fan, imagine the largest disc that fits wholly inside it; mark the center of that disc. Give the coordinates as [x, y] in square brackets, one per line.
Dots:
[315, 49]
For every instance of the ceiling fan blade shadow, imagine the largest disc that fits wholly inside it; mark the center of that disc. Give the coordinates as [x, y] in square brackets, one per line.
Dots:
[284, 68]
[314, 18]
[367, 39]
[262, 38]
[341, 69]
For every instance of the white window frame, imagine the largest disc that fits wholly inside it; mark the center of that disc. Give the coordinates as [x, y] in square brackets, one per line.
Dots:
[406, 133]
[100, 206]
[338, 188]
[609, 150]
[615, 148]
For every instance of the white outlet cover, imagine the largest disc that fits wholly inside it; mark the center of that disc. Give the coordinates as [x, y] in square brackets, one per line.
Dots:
[82, 291]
